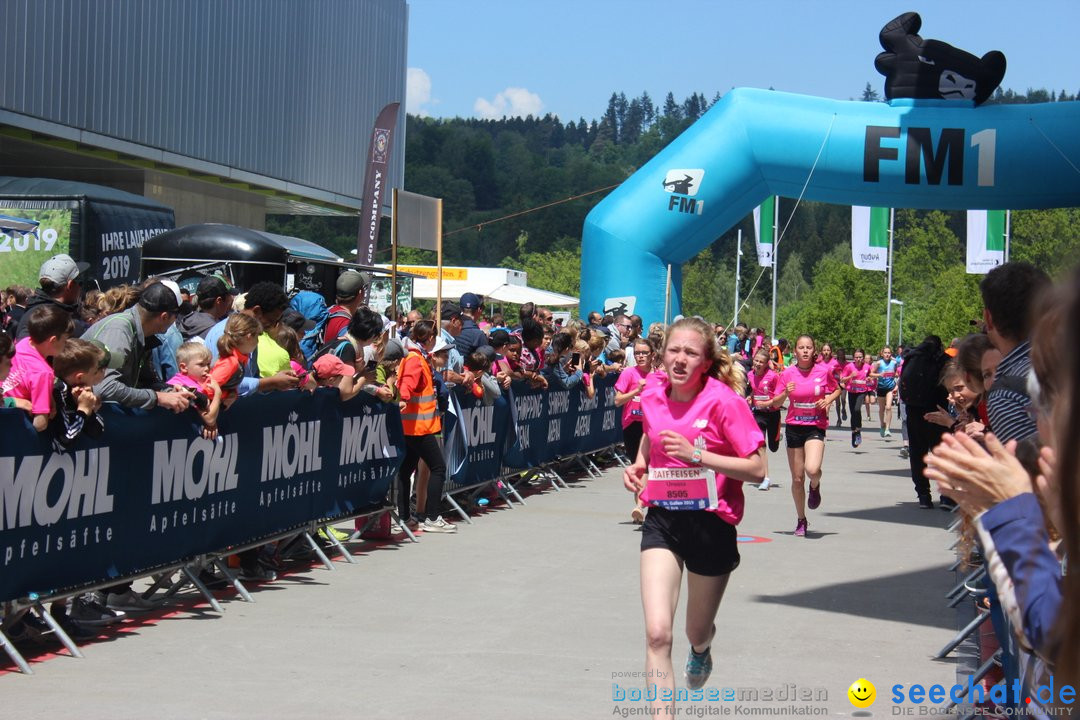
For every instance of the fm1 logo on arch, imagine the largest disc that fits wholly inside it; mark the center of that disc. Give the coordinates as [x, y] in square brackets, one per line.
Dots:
[683, 185]
[945, 160]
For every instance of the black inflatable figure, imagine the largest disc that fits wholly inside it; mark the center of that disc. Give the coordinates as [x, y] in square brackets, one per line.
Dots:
[931, 69]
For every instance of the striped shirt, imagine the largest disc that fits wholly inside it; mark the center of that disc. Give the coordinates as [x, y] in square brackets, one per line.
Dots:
[1006, 405]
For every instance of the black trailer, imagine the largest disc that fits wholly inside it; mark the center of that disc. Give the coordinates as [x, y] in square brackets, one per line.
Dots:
[246, 257]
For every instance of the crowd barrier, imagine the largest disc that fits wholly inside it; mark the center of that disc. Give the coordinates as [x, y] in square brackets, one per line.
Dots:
[152, 494]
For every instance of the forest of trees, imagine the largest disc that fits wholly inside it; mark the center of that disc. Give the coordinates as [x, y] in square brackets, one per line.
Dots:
[486, 170]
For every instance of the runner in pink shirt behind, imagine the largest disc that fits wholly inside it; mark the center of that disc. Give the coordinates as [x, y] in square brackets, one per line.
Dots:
[700, 445]
[835, 364]
[811, 388]
[767, 395]
[854, 380]
[628, 390]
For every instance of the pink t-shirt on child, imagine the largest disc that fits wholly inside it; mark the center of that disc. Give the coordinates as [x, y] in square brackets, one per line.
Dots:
[718, 416]
[182, 380]
[765, 388]
[858, 383]
[31, 378]
[810, 386]
[628, 381]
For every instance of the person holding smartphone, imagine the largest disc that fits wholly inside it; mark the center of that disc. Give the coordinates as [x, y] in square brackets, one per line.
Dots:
[563, 366]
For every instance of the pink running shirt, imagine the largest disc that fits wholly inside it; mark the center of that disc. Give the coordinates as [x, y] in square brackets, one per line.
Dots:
[858, 383]
[717, 415]
[31, 378]
[765, 388]
[628, 380]
[810, 386]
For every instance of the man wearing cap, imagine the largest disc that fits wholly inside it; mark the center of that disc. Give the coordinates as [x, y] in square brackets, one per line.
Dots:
[214, 295]
[350, 295]
[127, 335]
[59, 286]
[471, 336]
[452, 323]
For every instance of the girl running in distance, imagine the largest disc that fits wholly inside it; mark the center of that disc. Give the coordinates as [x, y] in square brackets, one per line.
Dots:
[885, 372]
[700, 444]
[854, 379]
[826, 358]
[628, 389]
[811, 388]
[838, 372]
[767, 395]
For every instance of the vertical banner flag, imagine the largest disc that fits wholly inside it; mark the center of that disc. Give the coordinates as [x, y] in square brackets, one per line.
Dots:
[378, 166]
[764, 223]
[985, 240]
[870, 238]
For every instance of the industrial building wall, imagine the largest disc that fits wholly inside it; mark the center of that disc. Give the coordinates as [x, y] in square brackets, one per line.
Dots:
[283, 89]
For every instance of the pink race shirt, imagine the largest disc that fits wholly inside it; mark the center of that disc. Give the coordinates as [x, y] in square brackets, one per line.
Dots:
[765, 388]
[628, 380]
[718, 416]
[858, 383]
[31, 378]
[834, 366]
[810, 386]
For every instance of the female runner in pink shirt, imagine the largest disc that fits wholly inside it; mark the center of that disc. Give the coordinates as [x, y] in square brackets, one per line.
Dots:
[855, 381]
[767, 396]
[628, 389]
[811, 389]
[701, 444]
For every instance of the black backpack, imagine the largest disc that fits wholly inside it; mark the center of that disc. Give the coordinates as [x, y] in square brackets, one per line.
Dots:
[920, 378]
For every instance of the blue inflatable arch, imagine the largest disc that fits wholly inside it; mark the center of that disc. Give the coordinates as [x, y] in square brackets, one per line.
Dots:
[930, 154]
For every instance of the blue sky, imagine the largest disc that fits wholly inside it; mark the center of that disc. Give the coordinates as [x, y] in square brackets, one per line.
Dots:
[488, 58]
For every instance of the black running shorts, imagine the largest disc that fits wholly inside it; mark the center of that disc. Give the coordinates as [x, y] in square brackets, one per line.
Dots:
[797, 435]
[703, 540]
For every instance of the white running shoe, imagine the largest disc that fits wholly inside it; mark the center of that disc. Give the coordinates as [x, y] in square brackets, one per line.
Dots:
[765, 483]
[438, 525]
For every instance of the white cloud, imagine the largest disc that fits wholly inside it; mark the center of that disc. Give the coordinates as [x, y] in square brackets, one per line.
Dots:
[511, 102]
[418, 92]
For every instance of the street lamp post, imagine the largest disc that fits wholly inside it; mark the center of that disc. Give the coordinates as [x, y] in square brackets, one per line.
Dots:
[894, 301]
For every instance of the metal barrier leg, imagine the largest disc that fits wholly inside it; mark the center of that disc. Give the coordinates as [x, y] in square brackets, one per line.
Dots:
[507, 489]
[959, 637]
[401, 523]
[341, 548]
[583, 462]
[458, 509]
[223, 566]
[955, 524]
[57, 630]
[192, 574]
[15, 655]
[556, 478]
[163, 581]
[593, 465]
[318, 551]
[500, 488]
[993, 660]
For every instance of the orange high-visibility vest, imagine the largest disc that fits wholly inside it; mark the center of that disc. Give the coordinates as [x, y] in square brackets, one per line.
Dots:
[420, 416]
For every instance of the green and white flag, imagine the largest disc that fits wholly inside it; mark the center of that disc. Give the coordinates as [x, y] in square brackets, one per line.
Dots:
[870, 237]
[985, 240]
[764, 230]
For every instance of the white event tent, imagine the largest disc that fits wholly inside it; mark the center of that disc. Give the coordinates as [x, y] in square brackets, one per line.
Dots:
[493, 284]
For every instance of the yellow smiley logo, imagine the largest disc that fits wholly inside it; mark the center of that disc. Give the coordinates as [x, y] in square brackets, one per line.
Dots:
[862, 693]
